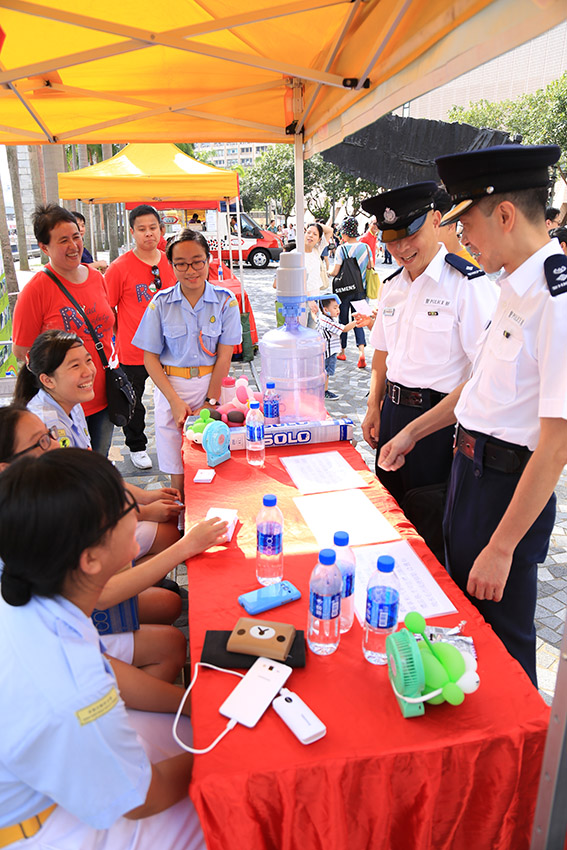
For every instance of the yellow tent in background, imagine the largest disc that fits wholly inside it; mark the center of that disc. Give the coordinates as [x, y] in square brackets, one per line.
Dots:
[268, 70]
[149, 173]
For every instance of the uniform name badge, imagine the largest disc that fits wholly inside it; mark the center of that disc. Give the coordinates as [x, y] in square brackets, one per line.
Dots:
[99, 708]
[388, 311]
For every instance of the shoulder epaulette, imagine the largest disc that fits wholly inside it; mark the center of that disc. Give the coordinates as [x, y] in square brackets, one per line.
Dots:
[465, 267]
[390, 276]
[555, 270]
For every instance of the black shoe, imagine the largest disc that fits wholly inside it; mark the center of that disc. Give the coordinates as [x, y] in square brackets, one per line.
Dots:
[330, 395]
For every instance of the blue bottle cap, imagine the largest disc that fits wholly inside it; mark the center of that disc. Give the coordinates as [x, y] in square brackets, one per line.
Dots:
[340, 538]
[254, 405]
[270, 385]
[385, 563]
[269, 500]
[327, 556]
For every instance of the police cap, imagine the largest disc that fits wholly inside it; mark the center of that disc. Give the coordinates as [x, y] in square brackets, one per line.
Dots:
[401, 212]
[473, 175]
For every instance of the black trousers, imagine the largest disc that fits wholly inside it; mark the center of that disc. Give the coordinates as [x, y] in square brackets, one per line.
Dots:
[476, 501]
[344, 318]
[428, 463]
[134, 434]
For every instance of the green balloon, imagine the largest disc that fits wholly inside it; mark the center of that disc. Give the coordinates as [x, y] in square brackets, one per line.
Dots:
[415, 623]
[453, 694]
[451, 659]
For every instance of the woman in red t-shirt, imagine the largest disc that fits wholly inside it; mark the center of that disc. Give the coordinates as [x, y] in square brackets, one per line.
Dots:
[41, 305]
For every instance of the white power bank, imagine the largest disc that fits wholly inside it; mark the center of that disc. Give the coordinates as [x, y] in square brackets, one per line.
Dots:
[304, 724]
[255, 692]
[227, 514]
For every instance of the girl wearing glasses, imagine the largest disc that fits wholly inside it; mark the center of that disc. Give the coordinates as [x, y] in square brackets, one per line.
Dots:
[90, 761]
[157, 647]
[188, 334]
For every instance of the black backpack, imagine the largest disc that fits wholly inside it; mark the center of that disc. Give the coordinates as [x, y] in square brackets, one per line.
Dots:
[348, 282]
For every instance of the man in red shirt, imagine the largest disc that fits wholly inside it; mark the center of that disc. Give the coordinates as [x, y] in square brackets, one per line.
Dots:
[370, 237]
[131, 282]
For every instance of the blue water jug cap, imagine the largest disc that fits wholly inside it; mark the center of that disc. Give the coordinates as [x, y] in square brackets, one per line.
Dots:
[385, 564]
[327, 556]
[270, 385]
[341, 538]
[254, 405]
[269, 500]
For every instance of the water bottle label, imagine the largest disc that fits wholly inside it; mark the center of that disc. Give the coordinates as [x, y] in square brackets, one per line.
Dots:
[271, 408]
[382, 609]
[324, 607]
[348, 585]
[269, 544]
[255, 433]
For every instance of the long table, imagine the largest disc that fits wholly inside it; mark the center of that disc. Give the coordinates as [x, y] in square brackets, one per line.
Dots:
[458, 778]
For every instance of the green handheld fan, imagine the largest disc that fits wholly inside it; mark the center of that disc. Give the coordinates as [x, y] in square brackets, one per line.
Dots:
[439, 669]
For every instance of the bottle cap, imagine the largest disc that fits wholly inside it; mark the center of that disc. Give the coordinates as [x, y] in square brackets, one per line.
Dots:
[341, 538]
[327, 556]
[270, 500]
[254, 405]
[385, 564]
[228, 382]
[270, 385]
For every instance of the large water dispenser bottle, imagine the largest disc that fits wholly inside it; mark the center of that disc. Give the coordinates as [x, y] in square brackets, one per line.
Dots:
[293, 357]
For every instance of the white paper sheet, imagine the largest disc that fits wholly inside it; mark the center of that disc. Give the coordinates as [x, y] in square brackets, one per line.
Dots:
[322, 472]
[350, 511]
[418, 589]
[362, 307]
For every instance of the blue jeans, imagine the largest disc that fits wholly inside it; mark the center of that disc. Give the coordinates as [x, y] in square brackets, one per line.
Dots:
[101, 430]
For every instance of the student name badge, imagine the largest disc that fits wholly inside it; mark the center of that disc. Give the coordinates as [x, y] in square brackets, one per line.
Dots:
[99, 708]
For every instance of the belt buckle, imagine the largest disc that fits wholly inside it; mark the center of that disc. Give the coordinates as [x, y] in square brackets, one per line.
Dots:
[193, 371]
[395, 394]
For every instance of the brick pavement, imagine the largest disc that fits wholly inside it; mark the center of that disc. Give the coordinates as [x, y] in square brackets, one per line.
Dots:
[352, 385]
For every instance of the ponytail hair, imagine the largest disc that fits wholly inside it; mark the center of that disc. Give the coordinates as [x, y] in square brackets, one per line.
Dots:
[45, 356]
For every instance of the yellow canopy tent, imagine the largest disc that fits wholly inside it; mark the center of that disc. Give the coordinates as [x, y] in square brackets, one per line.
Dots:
[149, 173]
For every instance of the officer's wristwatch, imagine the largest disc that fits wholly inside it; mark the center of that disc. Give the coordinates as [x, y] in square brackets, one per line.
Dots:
[214, 402]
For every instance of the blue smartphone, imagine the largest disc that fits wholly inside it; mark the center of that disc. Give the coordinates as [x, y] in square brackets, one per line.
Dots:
[257, 601]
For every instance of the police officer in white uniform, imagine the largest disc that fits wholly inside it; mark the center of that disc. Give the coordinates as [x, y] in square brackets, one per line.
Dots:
[77, 770]
[512, 413]
[430, 314]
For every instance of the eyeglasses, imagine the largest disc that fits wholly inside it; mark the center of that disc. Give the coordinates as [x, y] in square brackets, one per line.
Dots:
[196, 265]
[44, 443]
[131, 505]
[155, 285]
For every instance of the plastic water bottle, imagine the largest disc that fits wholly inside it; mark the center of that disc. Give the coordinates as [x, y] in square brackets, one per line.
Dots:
[269, 542]
[323, 633]
[271, 405]
[220, 272]
[347, 565]
[382, 605]
[255, 445]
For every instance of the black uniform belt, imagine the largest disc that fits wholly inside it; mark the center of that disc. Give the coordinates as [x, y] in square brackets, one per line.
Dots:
[504, 457]
[413, 396]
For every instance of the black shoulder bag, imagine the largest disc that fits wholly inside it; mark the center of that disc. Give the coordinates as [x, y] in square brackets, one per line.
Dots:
[120, 394]
[348, 282]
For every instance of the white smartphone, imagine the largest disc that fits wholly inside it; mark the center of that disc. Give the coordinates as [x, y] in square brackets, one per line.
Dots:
[255, 692]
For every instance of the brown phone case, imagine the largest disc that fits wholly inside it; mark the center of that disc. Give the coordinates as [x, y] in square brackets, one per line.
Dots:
[261, 638]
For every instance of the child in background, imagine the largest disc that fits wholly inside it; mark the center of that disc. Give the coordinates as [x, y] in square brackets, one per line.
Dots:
[330, 329]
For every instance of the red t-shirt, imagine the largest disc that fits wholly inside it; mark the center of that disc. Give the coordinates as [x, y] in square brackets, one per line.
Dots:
[41, 305]
[127, 281]
[370, 240]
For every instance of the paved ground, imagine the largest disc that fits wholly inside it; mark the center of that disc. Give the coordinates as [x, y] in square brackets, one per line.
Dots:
[352, 385]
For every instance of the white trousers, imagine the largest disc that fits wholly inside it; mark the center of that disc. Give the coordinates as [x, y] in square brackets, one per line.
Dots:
[168, 436]
[177, 828]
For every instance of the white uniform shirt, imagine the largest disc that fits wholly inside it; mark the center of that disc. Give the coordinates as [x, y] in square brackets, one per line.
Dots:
[430, 326]
[71, 429]
[520, 374]
[66, 736]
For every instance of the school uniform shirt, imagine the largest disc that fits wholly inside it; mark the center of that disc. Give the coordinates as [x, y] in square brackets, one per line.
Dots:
[71, 428]
[520, 374]
[41, 305]
[128, 281]
[182, 335]
[430, 327]
[69, 738]
[330, 329]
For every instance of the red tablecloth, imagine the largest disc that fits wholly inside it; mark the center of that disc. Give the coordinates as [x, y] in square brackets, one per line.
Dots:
[233, 284]
[458, 778]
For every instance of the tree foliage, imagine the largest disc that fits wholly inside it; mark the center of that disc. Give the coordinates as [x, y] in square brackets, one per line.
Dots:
[272, 177]
[540, 118]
